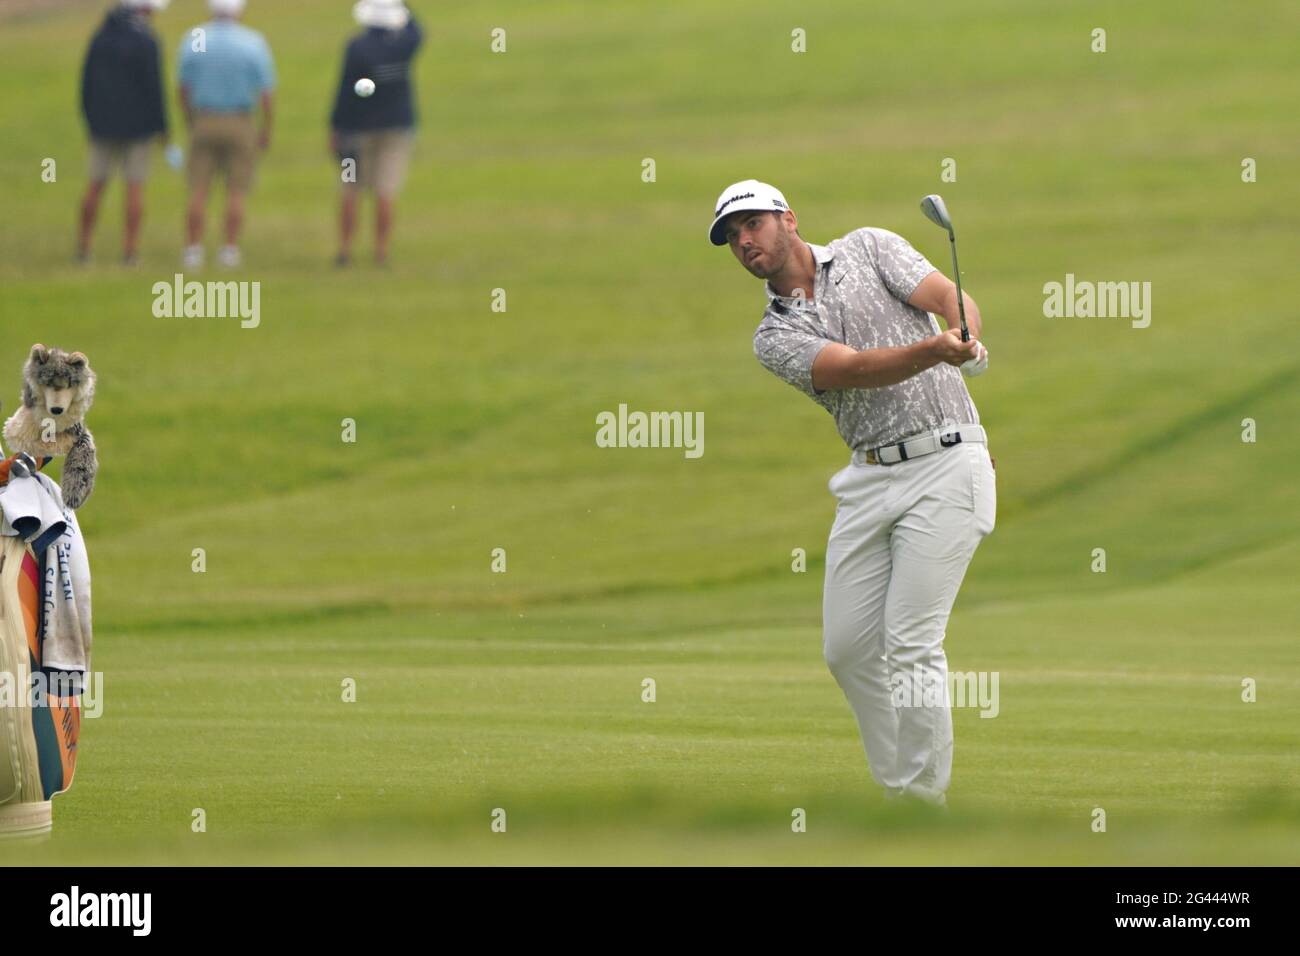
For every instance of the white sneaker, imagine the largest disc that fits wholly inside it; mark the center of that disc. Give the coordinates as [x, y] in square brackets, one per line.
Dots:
[192, 257]
[228, 256]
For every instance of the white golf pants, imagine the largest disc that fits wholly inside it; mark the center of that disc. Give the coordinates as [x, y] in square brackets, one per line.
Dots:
[902, 539]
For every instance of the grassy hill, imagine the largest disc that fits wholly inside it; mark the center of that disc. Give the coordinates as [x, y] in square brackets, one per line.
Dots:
[475, 430]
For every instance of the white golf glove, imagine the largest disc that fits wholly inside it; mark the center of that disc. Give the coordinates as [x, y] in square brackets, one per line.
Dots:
[979, 364]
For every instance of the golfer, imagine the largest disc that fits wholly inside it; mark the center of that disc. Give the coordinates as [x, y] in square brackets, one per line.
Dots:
[849, 324]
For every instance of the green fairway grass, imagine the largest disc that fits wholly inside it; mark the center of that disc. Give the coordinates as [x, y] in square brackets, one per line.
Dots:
[476, 430]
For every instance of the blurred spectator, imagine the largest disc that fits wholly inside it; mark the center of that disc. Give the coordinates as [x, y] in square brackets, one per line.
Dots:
[122, 99]
[376, 131]
[225, 73]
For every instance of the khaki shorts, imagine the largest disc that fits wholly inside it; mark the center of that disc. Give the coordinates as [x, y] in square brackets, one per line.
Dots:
[225, 143]
[131, 154]
[382, 156]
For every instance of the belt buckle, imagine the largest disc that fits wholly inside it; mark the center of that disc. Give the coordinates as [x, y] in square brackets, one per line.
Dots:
[871, 457]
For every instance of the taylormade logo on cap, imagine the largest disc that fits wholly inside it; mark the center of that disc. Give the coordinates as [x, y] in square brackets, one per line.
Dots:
[718, 211]
[745, 195]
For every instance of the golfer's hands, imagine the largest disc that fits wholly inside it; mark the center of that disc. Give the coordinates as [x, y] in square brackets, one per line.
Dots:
[977, 365]
[949, 347]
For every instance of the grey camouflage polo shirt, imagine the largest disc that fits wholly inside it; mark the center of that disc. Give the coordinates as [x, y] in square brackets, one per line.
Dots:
[863, 281]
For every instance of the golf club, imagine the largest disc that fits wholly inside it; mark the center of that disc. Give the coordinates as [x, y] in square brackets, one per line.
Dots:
[937, 213]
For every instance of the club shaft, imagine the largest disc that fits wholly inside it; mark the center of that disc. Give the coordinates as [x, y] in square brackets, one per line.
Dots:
[956, 277]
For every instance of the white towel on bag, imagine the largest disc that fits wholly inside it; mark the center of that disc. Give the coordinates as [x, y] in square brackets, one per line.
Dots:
[34, 511]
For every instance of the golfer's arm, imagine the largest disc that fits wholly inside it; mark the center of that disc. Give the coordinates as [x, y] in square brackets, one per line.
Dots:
[839, 366]
[937, 293]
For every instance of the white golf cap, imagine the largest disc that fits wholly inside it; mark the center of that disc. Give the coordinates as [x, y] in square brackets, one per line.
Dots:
[744, 195]
[226, 8]
[388, 14]
[145, 4]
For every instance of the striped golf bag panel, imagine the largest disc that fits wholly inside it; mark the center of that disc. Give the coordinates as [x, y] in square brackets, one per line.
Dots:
[38, 731]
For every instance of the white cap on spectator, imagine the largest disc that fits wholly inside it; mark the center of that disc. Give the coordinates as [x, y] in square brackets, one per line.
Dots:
[387, 14]
[226, 8]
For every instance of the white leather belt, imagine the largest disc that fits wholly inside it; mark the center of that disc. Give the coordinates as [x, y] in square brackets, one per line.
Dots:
[917, 445]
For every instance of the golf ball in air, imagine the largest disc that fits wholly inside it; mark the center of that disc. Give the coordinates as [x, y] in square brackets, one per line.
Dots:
[364, 86]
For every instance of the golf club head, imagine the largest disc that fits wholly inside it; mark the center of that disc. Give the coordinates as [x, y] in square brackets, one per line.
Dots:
[936, 211]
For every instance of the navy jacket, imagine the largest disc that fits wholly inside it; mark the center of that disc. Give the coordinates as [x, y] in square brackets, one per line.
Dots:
[385, 57]
[121, 80]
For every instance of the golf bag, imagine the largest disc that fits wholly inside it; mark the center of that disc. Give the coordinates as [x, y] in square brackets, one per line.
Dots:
[40, 716]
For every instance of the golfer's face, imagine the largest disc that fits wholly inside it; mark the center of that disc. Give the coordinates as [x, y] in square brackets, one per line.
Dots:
[759, 241]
